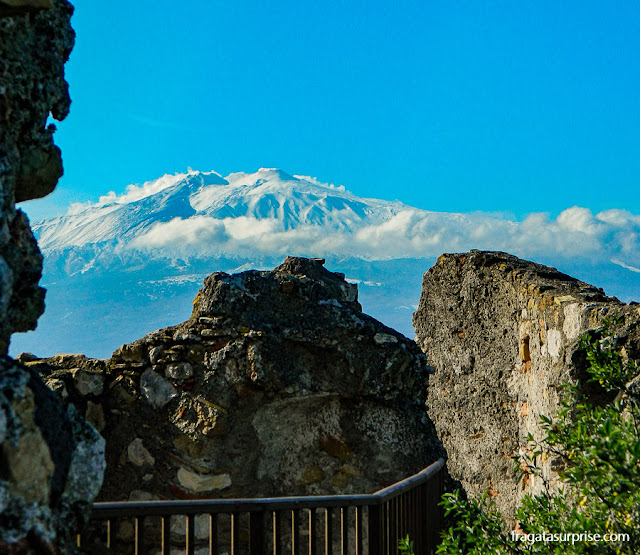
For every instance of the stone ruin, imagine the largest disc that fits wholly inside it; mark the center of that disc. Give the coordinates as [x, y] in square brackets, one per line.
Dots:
[278, 384]
[503, 335]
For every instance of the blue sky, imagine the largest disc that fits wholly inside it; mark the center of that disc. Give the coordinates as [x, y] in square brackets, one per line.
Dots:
[511, 107]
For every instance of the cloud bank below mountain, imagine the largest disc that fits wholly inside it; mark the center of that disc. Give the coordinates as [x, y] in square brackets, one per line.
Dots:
[272, 213]
[575, 233]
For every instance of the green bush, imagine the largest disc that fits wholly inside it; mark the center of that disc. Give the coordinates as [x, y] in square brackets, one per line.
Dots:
[599, 446]
[405, 545]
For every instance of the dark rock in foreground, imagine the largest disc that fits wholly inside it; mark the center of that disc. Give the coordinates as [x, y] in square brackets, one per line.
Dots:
[51, 460]
[51, 465]
[33, 50]
[503, 334]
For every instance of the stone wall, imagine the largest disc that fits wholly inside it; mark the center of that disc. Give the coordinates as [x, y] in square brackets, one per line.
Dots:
[51, 460]
[278, 384]
[503, 335]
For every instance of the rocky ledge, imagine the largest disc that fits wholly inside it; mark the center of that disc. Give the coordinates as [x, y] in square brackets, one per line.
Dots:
[33, 50]
[503, 334]
[51, 460]
[277, 384]
[51, 465]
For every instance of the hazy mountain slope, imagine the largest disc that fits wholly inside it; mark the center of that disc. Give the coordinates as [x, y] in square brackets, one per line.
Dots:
[130, 263]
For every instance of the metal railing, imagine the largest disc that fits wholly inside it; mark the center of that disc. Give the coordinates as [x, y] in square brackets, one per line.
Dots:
[346, 524]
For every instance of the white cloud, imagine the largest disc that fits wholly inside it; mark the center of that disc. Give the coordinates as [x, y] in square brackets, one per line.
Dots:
[580, 220]
[316, 181]
[134, 192]
[368, 228]
[575, 233]
[197, 231]
[627, 266]
[244, 228]
[619, 218]
[137, 192]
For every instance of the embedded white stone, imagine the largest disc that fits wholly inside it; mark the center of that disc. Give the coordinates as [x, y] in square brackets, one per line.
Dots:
[155, 354]
[180, 371]
[572, 321]
[383, 338]
[202, 482]
[156, 389]
[554, 343]
[138, 454]
[88, 382]
[140, 495]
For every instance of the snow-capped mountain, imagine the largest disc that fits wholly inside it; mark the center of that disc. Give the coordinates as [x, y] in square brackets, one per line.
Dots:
[271, 195]
[133, 262]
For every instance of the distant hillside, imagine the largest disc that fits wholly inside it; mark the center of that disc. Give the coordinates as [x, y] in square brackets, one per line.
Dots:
[130, 263]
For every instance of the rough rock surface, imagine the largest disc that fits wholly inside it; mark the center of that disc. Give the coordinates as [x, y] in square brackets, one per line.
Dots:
[51, 465]
[33, 50]
[20, 7]
[277, 384]
[51, 460]
[503, 334]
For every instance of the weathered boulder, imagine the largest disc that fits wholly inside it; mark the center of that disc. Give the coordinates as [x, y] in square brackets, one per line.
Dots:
[51, 465]
[503, 335]
[277, 384]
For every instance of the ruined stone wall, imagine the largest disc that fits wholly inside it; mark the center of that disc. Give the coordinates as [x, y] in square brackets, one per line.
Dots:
[278, 384]
[503, 335]
[51, 461]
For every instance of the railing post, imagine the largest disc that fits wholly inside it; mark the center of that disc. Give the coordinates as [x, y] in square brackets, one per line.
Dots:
[344, 530]
[393, 525]
[412, 511]
[384, 509]
[190, 539]
[413, 500]
[166, 534]
[434, 525]
[235, 532]
[428, 516]
[419, 518]
[425, 500]
[139, 537]
[277, 537]
[439, 524]
[256, 533]
[375, 529]
[109, 534]
[402, 504]
[313, 532]
[419, 508]
[328, 531]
